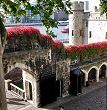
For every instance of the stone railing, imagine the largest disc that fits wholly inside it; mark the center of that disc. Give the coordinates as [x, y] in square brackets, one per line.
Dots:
[17, 90]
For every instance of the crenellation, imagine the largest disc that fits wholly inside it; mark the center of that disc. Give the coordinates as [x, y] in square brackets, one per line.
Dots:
[78, 6]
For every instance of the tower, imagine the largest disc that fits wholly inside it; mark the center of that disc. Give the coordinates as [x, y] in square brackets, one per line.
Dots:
[76, 24]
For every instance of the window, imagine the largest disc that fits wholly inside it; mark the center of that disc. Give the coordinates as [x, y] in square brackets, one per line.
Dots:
[106, 36]
[81, 33]
[86, 5]
[86, 23]
[96, 9]
[90, 34]
[72, 32]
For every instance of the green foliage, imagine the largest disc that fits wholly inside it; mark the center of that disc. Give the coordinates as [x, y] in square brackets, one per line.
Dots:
[44, 8]
[103, 6]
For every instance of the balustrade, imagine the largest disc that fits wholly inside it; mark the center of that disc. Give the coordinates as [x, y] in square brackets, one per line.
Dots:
[17, 90]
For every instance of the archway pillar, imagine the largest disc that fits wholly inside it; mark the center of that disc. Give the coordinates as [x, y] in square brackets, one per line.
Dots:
[97, 76]
[24, 81]
[86, 78]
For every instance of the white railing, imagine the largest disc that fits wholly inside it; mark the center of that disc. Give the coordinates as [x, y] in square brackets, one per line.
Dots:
[17, 90]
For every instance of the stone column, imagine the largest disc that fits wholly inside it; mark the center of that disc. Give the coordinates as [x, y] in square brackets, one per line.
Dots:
[6, 85]
[76, 24]
[97, 76]
[24, 86]
[86, 78]
[38, 94]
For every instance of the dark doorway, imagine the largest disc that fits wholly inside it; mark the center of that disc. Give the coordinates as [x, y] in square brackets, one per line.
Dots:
[59, 88]
[75, 82]
[30, 91]
[48, 89]
[92, 75]
[102, 73]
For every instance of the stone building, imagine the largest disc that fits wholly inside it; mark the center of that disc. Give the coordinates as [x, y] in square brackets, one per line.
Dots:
[76, 24]
[86, 24]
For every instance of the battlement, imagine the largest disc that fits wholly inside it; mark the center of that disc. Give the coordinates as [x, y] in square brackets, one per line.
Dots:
[77, 6]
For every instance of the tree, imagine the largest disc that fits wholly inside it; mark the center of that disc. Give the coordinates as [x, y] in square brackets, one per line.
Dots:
[3, 105]
[103, 6]
[44, 8]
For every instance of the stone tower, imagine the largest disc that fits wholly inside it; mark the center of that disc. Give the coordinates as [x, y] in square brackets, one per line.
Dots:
[76, 24]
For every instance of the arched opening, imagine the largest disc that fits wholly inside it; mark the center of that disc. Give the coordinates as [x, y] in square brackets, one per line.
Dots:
[92, 75]
[75, 81]
[102, 71]
[15, 75]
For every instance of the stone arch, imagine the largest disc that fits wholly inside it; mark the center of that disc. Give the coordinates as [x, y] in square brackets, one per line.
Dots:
[104, 63]
[103, 70]
[15, 75]
[18, 65]
[93, 74]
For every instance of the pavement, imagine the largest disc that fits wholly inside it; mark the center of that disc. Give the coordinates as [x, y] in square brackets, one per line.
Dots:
[89, 93]
[95, 100]
[86, 90]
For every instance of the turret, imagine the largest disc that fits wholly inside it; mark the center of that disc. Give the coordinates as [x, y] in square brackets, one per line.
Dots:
[76, 25]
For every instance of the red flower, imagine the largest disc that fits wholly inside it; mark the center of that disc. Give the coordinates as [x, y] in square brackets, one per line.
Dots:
[34, 35]
[46, 38]
[21, 31]
[57, 44]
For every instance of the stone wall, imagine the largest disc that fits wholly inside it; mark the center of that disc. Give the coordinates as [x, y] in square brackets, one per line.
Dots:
[26, 58]
[63, 73]
[76, 25]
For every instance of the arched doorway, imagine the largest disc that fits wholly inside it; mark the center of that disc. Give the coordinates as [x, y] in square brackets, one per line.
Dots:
[75, 81]
[102, 71]
[92, 75]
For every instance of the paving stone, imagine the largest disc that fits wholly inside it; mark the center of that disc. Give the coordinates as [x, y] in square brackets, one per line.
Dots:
[93, 97]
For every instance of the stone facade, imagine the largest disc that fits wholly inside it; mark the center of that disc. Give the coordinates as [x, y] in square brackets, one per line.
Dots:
[63, 73]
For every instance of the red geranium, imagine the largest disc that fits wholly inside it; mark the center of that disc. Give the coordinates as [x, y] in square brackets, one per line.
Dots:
[21, 31]
[57, 44]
